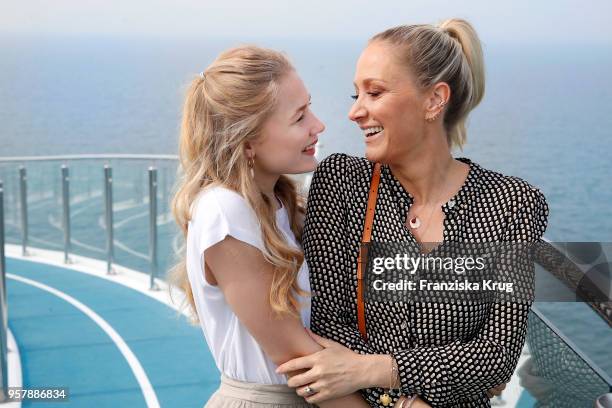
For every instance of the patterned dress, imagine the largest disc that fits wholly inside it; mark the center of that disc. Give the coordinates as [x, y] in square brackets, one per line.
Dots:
[449, 354]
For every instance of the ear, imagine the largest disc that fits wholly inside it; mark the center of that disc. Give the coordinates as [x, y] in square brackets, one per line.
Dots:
[249, 150]
[438, 94]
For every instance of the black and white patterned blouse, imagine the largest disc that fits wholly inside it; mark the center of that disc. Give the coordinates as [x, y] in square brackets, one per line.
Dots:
[448, 354]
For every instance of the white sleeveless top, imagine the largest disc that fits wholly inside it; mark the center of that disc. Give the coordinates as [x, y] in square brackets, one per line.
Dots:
[216, 213]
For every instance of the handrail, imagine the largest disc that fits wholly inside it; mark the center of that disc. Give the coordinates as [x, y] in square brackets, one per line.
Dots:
[109, 156]
[569, 276]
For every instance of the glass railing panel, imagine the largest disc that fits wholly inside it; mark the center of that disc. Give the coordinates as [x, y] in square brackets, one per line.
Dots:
[44, 202]
[88, 236]
[130, 185]
[170, 238]
[556, 373]
[10, 179]
[131, 213]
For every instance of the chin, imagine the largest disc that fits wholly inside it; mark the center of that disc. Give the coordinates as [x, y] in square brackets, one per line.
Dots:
[305, 168]
[374, 155]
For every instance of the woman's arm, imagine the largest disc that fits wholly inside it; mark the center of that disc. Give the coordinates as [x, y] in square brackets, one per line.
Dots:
[329, 252]
[339, 371]
[245, 278]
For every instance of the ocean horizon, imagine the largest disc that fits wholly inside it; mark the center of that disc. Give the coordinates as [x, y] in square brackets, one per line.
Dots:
[544, 116]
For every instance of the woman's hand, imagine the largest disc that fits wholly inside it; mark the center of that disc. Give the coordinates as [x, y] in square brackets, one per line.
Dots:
[496, 391]
[334, 371]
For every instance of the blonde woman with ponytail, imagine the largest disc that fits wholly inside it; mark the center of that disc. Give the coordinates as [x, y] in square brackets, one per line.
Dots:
[415, 86]
[246, 123]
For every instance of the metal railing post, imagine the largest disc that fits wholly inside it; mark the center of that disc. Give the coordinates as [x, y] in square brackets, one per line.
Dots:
[3, 306]
[66, 212]
[108, 201]
[153, 226]
[23, 193]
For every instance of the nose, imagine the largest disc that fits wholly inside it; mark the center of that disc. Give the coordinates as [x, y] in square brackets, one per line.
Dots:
[357, 111]
[319, 126]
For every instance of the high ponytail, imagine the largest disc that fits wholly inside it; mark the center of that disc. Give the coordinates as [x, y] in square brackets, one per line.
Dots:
[449, 52]
[464, 33]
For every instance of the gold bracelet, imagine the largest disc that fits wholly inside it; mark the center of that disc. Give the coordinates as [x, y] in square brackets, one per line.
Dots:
[386, 399]
[395, 378]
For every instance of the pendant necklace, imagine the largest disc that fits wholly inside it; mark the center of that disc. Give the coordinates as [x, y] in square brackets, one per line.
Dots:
[415, 221]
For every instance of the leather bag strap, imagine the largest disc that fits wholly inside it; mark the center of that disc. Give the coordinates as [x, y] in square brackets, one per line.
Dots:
[362, 258]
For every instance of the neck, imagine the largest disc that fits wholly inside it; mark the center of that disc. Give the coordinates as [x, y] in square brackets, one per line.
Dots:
[266, 183]
[425, 171]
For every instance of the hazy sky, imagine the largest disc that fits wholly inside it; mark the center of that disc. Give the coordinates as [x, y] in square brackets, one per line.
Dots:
[515, 21]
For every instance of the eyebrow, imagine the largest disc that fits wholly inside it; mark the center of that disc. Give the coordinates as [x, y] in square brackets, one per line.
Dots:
[369, 80]
[303, 107]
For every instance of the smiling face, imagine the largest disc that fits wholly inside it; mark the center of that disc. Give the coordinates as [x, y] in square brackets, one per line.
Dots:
[289, 135]
[389, 107]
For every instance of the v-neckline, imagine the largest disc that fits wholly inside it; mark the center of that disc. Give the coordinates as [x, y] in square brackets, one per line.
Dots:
[456, 201]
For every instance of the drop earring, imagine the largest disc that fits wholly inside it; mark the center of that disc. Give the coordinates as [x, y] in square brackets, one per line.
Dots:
[251, 164]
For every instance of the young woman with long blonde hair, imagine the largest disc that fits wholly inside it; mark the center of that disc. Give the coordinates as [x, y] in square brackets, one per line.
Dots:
[246, 123]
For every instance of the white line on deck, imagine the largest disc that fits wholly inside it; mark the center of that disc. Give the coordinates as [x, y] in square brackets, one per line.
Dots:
[145, 385]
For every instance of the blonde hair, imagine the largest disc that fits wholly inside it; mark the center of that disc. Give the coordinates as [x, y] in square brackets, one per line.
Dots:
[226, 107]
[449, 52]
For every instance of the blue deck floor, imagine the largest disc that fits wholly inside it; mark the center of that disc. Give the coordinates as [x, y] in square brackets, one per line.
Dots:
[62, 346]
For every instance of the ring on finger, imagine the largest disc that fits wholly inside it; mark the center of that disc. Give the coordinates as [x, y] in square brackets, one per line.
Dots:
[309, 390]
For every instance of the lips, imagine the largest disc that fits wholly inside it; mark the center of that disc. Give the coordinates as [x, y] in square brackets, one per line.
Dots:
[310, 146]
[372, 130]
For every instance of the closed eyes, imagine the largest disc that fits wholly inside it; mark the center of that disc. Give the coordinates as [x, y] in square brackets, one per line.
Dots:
[372, 94]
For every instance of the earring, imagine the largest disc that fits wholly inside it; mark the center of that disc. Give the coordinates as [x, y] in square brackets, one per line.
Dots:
[251, 164]
[435, 116]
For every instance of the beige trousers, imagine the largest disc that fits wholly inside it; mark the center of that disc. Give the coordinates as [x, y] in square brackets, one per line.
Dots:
[239, 394]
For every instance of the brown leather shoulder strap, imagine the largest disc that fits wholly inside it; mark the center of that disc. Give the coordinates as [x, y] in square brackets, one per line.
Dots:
[365, 238]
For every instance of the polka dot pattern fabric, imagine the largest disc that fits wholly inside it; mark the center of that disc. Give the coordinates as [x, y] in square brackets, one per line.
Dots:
[449, 354]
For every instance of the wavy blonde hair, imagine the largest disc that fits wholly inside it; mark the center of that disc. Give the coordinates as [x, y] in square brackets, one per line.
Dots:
[225, 108]
[449, 52]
